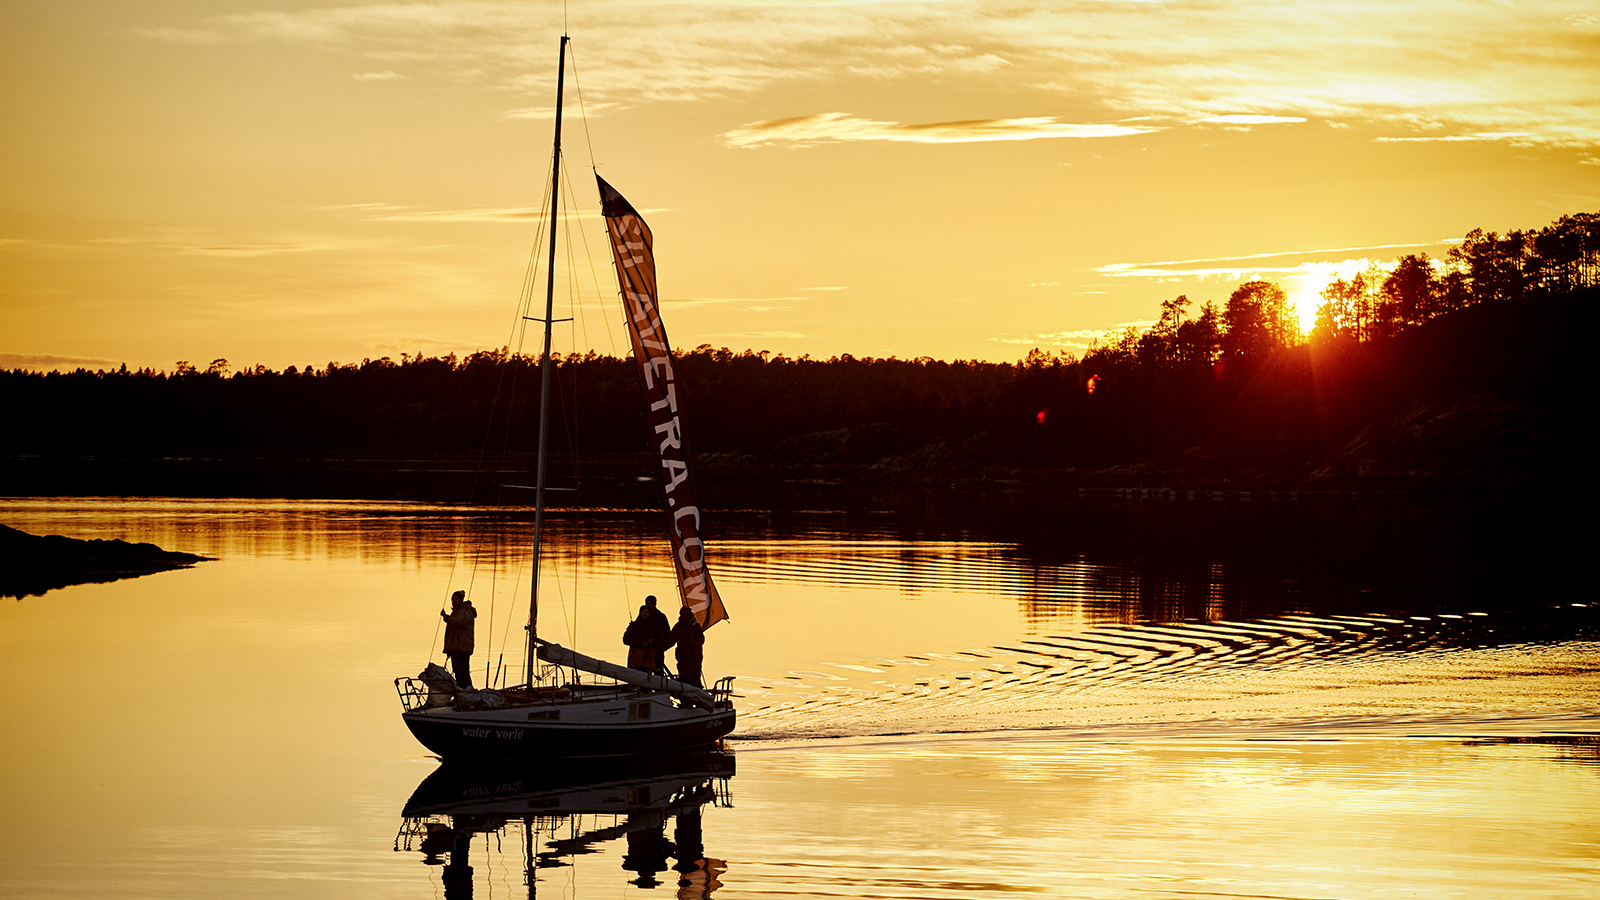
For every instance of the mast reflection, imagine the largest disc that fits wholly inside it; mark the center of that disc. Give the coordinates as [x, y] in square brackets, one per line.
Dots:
[562, 811]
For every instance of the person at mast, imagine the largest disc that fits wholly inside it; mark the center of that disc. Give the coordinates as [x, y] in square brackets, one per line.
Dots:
[648, 638]
[458, 640]
[690, 639]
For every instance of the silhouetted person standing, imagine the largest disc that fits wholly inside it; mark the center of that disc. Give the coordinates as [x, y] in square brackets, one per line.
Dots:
[690, 640]
[648, 849]
[648, 637]
[457, 874]
[458, 637]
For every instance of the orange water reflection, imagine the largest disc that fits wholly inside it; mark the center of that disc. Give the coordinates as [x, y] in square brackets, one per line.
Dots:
[929, 716]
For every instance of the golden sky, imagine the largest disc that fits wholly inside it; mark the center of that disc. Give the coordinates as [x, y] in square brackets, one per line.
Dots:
[282, 182]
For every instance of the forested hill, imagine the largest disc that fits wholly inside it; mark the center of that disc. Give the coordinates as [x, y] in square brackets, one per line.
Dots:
[1482, 393]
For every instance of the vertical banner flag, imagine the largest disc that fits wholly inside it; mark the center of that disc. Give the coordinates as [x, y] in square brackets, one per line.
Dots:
[636, 276]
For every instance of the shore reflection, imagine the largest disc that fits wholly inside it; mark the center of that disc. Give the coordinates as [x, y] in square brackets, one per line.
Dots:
[554, 814]
[1078, 562]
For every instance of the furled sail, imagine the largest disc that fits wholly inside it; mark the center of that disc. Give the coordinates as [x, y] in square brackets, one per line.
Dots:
[636, 275]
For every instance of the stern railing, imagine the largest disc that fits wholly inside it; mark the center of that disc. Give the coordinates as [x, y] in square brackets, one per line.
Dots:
[722, 693]
[413, 693]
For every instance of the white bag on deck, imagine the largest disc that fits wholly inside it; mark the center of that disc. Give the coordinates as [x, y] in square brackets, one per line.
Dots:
[441, 684]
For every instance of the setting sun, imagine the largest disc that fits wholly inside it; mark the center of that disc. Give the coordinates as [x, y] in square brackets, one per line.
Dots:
[1305, 305]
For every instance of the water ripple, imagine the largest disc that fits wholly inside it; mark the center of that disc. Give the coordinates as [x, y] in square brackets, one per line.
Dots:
[1323, 671]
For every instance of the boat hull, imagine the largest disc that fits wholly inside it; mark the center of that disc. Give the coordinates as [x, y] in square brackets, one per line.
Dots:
[618, 726]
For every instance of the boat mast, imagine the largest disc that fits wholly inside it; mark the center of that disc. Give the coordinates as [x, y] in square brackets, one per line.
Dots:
[544, 367]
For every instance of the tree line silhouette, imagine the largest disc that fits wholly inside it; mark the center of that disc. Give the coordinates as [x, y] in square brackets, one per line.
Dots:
[1235, 393]
[1484, 267]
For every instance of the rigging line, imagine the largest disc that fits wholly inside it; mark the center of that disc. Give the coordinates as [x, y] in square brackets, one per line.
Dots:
[455, 558]
[495, 577]
[583, 324]
[575, 303]
[572, 618]
[594, 276]
[512, 359]
[437, 624]
[516, 338]
[583, 113]
[505, 368]
[516, 591]
[574, 295]
[503, 371]
[575, 606]
[627, 594]
[488, 642]
[561, 375]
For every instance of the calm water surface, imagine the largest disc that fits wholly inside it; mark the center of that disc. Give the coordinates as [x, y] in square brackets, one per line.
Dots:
[1296, 700]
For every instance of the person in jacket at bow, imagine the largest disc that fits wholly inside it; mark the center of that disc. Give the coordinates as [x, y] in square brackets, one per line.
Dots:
[458, 637]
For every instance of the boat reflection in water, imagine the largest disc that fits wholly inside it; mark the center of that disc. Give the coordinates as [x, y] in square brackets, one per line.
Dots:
[568, 809]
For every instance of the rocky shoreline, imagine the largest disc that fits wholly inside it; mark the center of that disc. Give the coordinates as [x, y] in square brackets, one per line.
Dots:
[31, 564]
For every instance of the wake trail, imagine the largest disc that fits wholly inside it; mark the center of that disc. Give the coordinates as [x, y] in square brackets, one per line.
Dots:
[1476, 672]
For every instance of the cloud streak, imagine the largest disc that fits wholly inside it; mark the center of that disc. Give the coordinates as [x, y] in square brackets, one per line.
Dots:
[46, 362]
[1242, 263]
[1243, 119]
[508, 214]
[194, 36]
[760, 304]
[773, 335]
[1076, 339]
[1454, 138]
[246, 251]
[836, 127]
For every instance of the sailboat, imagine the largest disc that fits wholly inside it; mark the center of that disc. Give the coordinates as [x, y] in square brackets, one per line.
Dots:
[629, 711]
